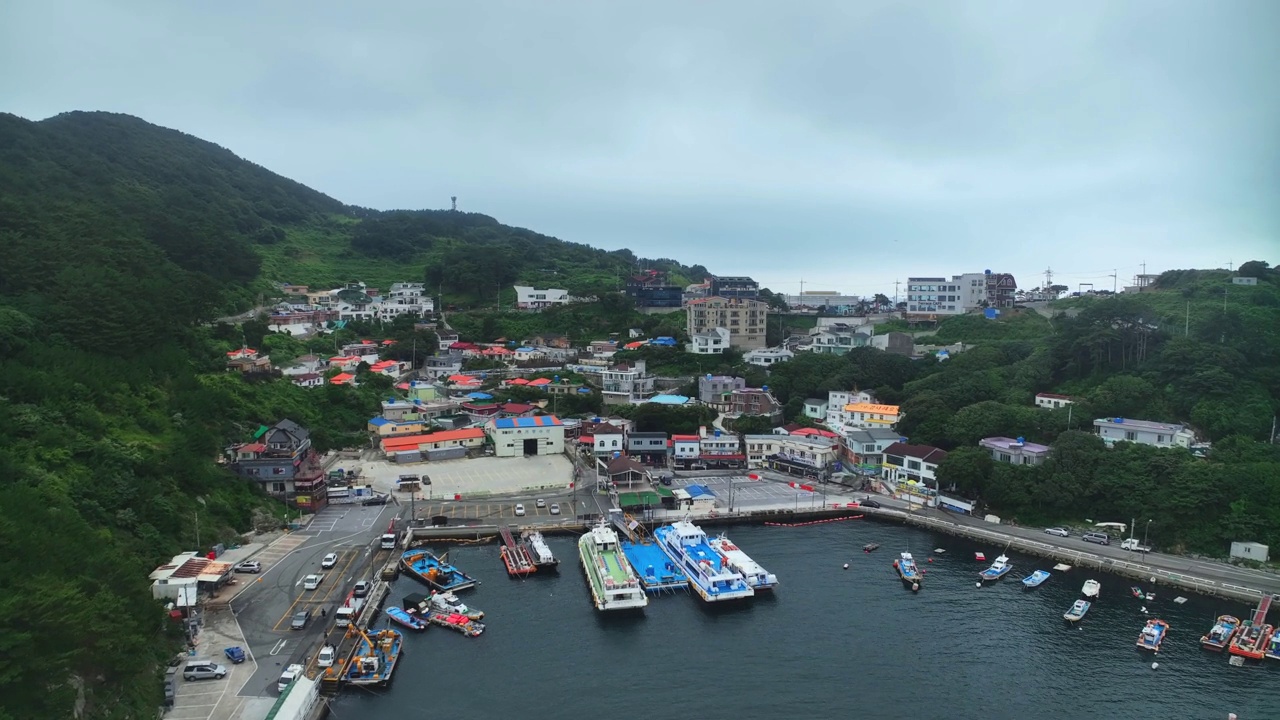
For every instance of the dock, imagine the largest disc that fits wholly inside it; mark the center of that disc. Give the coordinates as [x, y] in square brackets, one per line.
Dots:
[514, 555]
[1260, 614]
[656, 571]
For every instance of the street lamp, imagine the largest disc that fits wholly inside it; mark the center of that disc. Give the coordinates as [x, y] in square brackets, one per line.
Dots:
[1145, 530]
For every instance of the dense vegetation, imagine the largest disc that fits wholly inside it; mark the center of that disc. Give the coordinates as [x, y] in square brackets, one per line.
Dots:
[1173, 354]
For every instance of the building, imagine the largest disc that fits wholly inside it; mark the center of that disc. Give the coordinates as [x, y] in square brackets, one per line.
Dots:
[898, 343]
[651, 291]
[404, 299]
[308, 380]
[625, 474]
[815, 408]
[862, 449]
[685, 449]
[910, 472]
[302, 365]
[764, 357]
[745, 319]
[868, 415]
[627, 384]
[516, 436]
[734, 287]
[712, 342]
[551, 341]
[1051, 401]
[839, 338]
[938, 297]
[381, 427]
[824, 301]
[754, 401]
[602, 438]
[282, 460]
[807, 456]
[1001, 289]
[650, 448]
[468, 438]
[718, 449]
[1144, 432]
[713, 389]
[1238, 280]
[528, 298]
[1015, 451]
[837, 400]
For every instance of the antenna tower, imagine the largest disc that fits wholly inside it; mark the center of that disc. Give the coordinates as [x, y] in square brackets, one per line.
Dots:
[1048, 279]
[454, 199]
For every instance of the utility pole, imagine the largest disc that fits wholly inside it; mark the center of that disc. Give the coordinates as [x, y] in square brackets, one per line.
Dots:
[1114, 272]
[197, 531]
[1186, 329]
[895, 294]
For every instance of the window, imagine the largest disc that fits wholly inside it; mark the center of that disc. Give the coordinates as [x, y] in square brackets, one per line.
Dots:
[1130, 435]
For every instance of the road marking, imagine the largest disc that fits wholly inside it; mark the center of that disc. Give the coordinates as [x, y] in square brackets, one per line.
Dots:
[278, 647]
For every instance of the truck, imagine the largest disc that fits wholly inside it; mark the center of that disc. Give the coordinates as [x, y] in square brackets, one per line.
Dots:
[346, 614]
[388, 541]
[1133, 544]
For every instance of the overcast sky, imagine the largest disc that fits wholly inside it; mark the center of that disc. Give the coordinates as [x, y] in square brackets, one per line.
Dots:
[847, 144]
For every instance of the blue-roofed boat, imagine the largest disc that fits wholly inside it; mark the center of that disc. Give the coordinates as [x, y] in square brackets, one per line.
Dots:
[1035, 579]
[757, 577]
[1220, 635]
[375, 658]
[402, 617]
[1078, 610]
[1152, 635]
[709, 575]
[1273, 647]
[908, 571]
[998, 569]
[434, 571]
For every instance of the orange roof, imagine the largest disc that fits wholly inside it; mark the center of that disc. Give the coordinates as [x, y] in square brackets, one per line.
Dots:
[539, 382]
[872, 408]
[633, 345]
[413, 441]
[517, 381]
[342, 379]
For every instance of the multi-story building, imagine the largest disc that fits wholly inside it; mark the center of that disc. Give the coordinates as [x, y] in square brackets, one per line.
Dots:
[718, 449]
[734, 287]
[938, 296]
[745, 320]
[650, 448]
[685, 449]
[712, 342]
[863, 449]
[714, 389]
[754, 401]
[837, 400]
[627, 384]
[1015, 451]
[809, 456]
[869, 415]
[651, 291]
[910, 472]
[815, 408]
[528, 298]
[828, 302]
[1001, 289]
[1143, 432]
[839, 338]
[282, 460]
[764, 357]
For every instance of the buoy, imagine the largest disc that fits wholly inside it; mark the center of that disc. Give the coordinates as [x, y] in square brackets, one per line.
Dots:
[846, 566]
[915, 587]
[977, 584]
[930, 559]
[924, 571]
[1155, 665]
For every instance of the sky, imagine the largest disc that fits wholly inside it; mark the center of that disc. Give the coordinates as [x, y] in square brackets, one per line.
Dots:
[845, 145]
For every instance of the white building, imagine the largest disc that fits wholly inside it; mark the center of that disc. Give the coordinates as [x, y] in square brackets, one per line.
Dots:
[791, 452]
[517, 436]
[625, 384]
[403, 299]
[836, 402]
[685, 447]
[1144, 432]
[528, 298]
[764, 357]
[815, 408]
[1051, 401]
[940, 296]
[712, 342]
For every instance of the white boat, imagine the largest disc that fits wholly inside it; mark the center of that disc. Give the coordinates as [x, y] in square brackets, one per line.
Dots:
[1035, 579]
[613, 584]
[709, 573]
[1091, 588]
[757, 577]
[1077, 611]
[998, 569]
[449, 604]
[538, 550]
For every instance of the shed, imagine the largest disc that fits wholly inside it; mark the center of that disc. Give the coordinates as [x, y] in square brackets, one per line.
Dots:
[1250, 551]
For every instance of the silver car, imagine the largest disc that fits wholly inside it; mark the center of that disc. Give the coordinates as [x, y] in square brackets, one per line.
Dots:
[1059, 531]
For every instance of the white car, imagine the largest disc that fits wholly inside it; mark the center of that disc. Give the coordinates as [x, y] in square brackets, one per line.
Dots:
[311, 582]
[325, 658]
[519, 510]
[1059, 531]
[541, 503]
[329, 561]
[555, 509]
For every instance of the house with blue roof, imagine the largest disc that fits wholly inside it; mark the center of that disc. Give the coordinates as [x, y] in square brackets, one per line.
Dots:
[526, 436]
[381, 427]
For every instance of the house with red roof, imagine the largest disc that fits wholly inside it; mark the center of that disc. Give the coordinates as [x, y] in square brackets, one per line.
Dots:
[469, 438]
[1053, 401]
[512, 409]
[343, 379]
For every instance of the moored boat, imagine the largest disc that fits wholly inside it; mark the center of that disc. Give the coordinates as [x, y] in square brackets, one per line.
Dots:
[1137, 592]
[613, 584]
[448, 603]
[1220, 635]
[1078, 610]
[375, 657]
[998, 569]
[1273, 647]
[1251, 641]
[400, 616]
[1152, 635]
[869, 547]
[907, 570]
[426, 567]
[538, 550]
[461, 623]
[1035, 579]
[709, 572]
[757, 577]
[1091, 588]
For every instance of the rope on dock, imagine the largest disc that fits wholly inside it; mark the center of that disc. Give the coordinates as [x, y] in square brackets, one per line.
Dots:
[814, 522]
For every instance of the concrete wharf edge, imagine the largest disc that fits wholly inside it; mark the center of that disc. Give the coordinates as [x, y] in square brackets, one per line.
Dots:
[1075, 558]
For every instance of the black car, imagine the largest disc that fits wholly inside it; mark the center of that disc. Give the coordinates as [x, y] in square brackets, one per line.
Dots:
[376, 500]
[868, 502]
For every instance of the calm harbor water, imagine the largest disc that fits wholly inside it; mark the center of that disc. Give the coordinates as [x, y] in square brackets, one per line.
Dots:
[829, 643]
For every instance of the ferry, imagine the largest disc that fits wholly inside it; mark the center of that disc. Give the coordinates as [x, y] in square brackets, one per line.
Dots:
[448, 603]
[709, 573]
[614, 585]
[998, 569]
[1152, 635]
[538, 551]
[1273, 647]
[400, 616]
[461, 623]
[1035, 579]
[1091, 588]
[1251, 641]
[1220, 635]
[757, 577]
[375, 657]
[907, 569]
[1078, 610]
[435, 572]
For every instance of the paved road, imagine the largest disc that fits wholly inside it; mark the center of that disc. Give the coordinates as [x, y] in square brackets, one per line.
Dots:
[265, 608]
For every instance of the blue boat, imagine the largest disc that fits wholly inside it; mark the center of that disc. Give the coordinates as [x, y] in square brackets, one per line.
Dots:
[656, 571]
[402, 617]
[1152, 635]
[375, 658]
[435, 572]
[907, 569]
[709, 574]
[1035, 579]
[1077, 611]
[998, 569]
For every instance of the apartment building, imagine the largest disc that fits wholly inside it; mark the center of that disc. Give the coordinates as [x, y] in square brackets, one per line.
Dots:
[744, 319]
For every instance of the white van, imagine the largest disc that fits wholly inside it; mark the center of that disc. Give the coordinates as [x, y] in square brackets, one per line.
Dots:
[290, 673]
[343, 616]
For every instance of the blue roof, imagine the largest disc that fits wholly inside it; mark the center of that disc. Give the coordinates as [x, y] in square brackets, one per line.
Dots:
[379, 422]
[479, 396]
[699, 491]
[524, 349]
[669, 399]
[528, 422]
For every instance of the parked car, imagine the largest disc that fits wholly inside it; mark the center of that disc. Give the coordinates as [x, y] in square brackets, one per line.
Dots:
[375, 500]
[235, 654]
[249, 566]
[541, 503]
[1059, 531]
[519, 510]
[361, 589]
[203, 670]
[329, 561]
[311, 582]
[868, 502]
[555, 508]
[1096, 537]
[300, 619]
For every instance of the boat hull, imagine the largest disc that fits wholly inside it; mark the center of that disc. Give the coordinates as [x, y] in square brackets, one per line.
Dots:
[405, 619]
[1223, 632]
[419, 565]
[1152, 643]
[721, 586]
[1077, 611]
[1249, 645]
[587, 556]
[387, 660]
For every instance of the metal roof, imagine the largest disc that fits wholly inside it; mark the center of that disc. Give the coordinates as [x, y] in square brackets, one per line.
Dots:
[528, 422]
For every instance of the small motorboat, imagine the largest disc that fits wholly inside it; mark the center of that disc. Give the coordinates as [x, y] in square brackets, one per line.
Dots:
[1220, 635]
[449, 604]
[1035, 579]
[1152, 635]
[979, 557]
[998, 569]
[402, 617]
[1077, 611]
[870, 547]
[1137, 592]
[1091, 588]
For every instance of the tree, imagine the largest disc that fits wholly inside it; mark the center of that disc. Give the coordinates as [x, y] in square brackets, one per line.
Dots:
[965, 469]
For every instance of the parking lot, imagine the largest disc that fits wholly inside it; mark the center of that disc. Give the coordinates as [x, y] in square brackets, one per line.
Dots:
[472, 476]
[747, 494]
[480, 512]
[351, 518]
